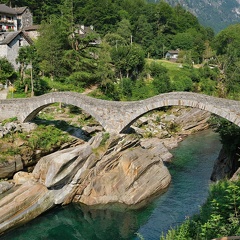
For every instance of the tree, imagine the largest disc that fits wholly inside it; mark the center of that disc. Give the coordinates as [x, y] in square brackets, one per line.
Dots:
[82, 60]
[143, 33]
[163, 16]
[128, 60]
[27, 58]
[50, 46]
[227, 45]
[105, 15]
[185, 19]
[208, 51]
[161, 80]
[114, 40]
[125, 29]
[6, 71]
[183, 41]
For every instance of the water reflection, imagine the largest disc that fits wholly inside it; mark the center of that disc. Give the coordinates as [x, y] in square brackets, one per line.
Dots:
[80, 222]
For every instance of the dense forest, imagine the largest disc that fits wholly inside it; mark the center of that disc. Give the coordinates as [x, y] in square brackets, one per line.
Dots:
[116, 55]
[217, 14]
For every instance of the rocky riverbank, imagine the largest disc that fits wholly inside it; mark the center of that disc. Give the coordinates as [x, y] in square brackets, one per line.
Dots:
[108, 169]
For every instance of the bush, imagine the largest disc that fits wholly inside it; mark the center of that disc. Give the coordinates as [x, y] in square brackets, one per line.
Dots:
[220, 215]
[182, 83]
[46, 137]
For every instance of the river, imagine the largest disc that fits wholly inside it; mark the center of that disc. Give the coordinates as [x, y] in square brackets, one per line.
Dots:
[190, 169]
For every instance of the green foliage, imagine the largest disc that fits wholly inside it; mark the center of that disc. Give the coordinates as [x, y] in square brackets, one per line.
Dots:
[13, 119]
[105, 137]
[229, 134]
[46, 137]
[227, 44]
[50, 46]
[219, 216]
[129, 30]
[161, 80]
[128, 60]
[182, 83]
[183, 41]
[142, 90]
[125, 88]
[6, 71]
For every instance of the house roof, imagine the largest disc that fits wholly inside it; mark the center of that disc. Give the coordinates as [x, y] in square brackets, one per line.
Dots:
[8, 37]
[173, 51]
[83, 30]
[6, 9]
[32, 28]
[20, 10]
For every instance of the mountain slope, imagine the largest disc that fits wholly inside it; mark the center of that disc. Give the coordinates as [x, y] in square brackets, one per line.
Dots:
[217, 14]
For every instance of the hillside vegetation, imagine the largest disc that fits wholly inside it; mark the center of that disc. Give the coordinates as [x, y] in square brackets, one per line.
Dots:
[217, 14]
[113, 56]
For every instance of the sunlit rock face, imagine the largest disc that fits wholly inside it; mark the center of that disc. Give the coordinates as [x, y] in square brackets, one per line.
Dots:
[126, 173]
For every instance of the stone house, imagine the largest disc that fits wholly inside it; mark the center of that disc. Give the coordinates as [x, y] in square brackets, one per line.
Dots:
[24, 17]
[172, 55]
[10, 43]
[12, 37]
[14, 19]
[32, 31]
[8, 18]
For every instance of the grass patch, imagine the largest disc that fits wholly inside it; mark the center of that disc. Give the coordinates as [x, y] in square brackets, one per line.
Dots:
[13, 119]
[174, 69]
[105, 137]
[45, 137]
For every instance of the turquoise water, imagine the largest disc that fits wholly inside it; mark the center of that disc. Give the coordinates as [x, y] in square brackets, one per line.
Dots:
[191, 169]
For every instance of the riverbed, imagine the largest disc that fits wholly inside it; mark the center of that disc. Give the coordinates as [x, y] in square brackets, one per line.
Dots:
[190, 169]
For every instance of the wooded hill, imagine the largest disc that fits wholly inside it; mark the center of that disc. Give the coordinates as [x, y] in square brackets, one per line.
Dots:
[129, 31]
[217, 14]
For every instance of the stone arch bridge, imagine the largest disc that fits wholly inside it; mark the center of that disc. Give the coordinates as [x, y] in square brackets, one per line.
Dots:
[118, 116]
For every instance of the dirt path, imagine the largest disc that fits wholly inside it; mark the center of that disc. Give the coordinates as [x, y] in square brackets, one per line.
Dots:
[90, 89]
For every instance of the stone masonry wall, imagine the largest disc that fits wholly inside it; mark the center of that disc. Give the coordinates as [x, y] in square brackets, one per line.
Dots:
[117, 116]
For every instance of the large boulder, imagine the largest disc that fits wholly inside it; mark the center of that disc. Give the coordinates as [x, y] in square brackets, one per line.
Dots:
[225, 166]
[58, 169]
[127, 173]
[27, 202]
[9, 167]
[192, 120]
[5, 186]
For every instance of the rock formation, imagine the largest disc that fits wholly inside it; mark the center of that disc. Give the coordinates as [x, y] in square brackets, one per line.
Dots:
[123, 170]
[226, 165]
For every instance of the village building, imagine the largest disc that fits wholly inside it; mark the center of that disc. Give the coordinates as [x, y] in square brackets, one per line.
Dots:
[24, 17]
[32, 31]
[8, 18]
[172, 55]
[10, 43]
[13, 21]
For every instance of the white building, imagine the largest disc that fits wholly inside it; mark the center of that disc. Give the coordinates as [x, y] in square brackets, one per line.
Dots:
[8, 18]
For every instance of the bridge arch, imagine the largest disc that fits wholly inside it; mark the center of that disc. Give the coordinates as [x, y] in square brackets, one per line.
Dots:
[228, 109]
[118, 116]
[70, 98]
